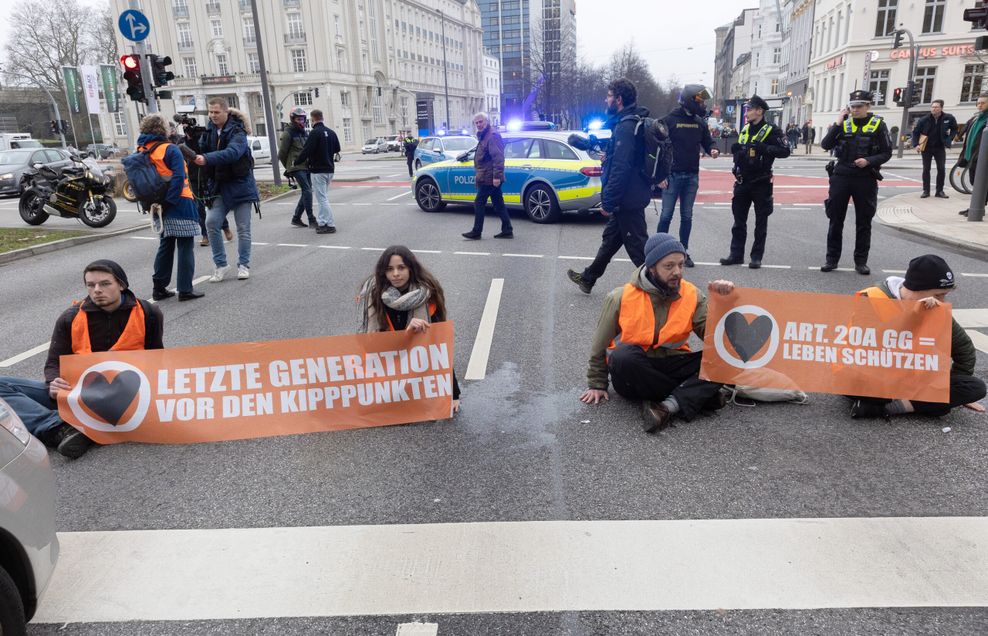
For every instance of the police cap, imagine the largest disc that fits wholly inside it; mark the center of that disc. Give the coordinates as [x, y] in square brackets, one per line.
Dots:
[861, 97]
[757, 102]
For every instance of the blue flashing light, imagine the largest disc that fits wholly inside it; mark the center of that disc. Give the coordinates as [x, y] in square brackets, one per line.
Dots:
[514, 125]
[595, 124]
[441, 133]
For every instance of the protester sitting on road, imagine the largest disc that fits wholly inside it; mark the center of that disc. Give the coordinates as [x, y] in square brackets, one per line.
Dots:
[928, 280]
[179, 214]
[402, 294]
[101, 322]
[642, 340]
[230, 167]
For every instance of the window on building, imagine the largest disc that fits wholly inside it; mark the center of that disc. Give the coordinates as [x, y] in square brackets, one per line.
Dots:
[974, 75]
[924, 83]
[299, 64]
[933, 16]
[774, 90]
[878, 85]
[249, 33]
[776, 56]
[303, 98]
[377, 107]
[119, 124]
[216, 27]
[347, 130]
[253, 62]
[295, 29]
[222, 64]
[345, 99]
[189, 67]
[184, 34]
[885, 23]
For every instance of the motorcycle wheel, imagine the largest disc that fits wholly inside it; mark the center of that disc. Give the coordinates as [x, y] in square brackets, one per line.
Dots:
[98, 213]
[32, 208]
[128, 191]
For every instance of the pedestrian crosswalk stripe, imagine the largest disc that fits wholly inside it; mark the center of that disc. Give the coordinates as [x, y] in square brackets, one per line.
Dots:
[971, 318]
[979, 339]
[531, 566]
[417, 629]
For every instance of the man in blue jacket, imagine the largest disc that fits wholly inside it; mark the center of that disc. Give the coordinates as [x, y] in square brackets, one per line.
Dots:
[626, 190]
[230, 181]
[939, 128]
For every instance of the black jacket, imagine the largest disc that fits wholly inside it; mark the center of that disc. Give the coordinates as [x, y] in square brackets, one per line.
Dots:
[104, 329]
[690, 136]
[319, 150]
[410, 144]
[941, 132]
[876, 148]
[625, 186]
[755, 159]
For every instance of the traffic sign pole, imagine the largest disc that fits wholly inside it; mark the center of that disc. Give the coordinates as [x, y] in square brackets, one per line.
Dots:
[136, 27]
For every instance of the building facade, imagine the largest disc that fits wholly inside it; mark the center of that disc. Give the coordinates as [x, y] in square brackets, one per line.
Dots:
[373, 67]
[797, 41]
[852, 49]
[492, 88]
[731, 66]
[509, 27]
[766, 55]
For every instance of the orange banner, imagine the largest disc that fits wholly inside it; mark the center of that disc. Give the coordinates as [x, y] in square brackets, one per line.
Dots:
[825, 343]
[260, 389]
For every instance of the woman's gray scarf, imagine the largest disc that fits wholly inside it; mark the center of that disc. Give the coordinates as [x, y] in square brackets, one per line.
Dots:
[411, 300]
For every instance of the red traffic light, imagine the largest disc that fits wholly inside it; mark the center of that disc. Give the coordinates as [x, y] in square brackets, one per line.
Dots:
[130, 62]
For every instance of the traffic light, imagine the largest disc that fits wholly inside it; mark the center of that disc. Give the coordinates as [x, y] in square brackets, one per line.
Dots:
[978, 17]
[899, 37]
[132, 75]
[53, 125]
[897, 97]
[161, 74]
[63, 126]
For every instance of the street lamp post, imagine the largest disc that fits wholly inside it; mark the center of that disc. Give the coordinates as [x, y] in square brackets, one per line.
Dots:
[265, 93]
[910, 88]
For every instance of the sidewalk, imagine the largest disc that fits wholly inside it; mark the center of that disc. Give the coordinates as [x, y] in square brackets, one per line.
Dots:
[910, 158]
[936, 219]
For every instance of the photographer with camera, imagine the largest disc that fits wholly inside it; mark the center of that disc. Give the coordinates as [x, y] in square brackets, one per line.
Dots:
[192, 133]
[230, 177]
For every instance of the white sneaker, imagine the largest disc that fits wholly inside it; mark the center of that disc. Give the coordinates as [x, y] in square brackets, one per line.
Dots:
[243, 272]
[219, 273]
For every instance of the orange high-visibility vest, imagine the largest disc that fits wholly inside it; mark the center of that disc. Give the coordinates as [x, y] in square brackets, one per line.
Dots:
[883, 311]
[391, 327]
[132, 338]
[872, 292]
[157, 156]
[636, 319]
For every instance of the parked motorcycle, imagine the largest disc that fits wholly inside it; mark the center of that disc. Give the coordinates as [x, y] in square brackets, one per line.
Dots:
[79, 191]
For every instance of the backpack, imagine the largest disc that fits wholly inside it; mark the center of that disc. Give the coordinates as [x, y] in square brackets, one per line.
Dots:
[148, 185]
[658, 149]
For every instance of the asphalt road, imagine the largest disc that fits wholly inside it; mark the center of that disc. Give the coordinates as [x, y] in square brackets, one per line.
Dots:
[523, 449]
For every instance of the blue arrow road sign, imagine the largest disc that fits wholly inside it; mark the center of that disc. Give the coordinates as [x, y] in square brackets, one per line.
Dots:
[134, 25]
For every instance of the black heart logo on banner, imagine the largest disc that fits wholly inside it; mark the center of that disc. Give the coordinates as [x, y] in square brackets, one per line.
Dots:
[110, 400]
[747, 338]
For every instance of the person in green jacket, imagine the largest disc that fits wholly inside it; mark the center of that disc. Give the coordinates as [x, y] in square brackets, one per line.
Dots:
[289, 147]
[928, 281]
[972, 138]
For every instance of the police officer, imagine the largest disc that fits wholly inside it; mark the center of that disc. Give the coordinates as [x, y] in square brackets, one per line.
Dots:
[757, 147]
[861, 145]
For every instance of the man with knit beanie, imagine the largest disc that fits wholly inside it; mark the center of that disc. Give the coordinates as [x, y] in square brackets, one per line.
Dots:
[101, 322]
[928, 280]
[642, 336]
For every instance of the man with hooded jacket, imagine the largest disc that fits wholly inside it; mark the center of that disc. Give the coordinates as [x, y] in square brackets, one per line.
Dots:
[626, 190]
[230, 178]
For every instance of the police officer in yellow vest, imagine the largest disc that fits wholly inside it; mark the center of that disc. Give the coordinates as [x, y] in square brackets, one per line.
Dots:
[758, 146]
[861, 145]
[642, 337]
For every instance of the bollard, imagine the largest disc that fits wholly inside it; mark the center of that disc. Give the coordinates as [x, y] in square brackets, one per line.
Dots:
[979, 187]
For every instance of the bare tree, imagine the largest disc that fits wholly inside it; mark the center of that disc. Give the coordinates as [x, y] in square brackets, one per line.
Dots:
[102, 37]
[49, 35]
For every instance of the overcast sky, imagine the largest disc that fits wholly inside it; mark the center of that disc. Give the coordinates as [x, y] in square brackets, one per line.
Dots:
[661, 31]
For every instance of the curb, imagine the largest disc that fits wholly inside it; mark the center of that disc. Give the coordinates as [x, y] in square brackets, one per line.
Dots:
[61, 244]
[967, 246]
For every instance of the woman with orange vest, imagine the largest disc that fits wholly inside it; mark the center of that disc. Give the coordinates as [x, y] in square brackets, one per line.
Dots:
[642, 340]
[402, 295]
[180, 216]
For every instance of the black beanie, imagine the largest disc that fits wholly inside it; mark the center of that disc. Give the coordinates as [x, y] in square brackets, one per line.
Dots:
[928, 272]
[106, 264]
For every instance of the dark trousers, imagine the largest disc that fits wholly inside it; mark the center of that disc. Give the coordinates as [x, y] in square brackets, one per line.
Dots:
[626, 228]
[758, 193]
[964, 389]
[635, 376]
[929, 155]
[409, 160]
[165, 258]
[493, 193]
[304, 181]
[864, 192]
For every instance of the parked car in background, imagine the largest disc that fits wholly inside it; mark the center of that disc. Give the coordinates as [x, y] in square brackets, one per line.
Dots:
[395, 144]
[374, 145]
[15, 163]
[260, 149]
[102, 151]
[433, 149]
[28, 545]
[14, 141]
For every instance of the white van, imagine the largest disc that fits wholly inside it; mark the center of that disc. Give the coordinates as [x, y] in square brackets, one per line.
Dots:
[14, 141]
[260, 148]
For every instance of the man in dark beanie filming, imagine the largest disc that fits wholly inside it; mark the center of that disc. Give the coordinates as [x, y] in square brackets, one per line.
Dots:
[111, 318]
[642, 337]
[928, 281]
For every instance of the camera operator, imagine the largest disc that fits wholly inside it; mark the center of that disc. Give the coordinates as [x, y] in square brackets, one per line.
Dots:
[192, 133]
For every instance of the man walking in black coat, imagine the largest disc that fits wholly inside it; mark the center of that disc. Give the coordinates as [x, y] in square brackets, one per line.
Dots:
[320, 151]
[931, 138]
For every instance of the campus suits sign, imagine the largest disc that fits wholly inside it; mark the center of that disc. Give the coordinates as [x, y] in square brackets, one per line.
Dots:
[260, 389]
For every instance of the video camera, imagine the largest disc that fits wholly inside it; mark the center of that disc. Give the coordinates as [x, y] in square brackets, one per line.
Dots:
[192, 128]
[589, 143]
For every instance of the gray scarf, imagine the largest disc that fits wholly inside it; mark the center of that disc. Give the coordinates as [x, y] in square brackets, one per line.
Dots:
[411, 300]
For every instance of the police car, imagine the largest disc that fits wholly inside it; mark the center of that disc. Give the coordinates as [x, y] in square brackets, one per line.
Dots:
[543, 175]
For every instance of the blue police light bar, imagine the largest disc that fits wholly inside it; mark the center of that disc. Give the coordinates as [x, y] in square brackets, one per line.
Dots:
[595, 124]
[514, 125]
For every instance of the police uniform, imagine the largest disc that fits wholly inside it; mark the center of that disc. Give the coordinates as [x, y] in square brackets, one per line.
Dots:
[863, 138]
[756, 149]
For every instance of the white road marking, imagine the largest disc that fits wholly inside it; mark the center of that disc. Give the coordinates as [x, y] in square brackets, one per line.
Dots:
[971, 318]
[706, 263]
[524, 255]
[976, 275]
[258, 243]
[622, 260]
[806, 205]
[417, 629]
[979, 339]
[719, 204]
[839, 269]
[530, 566]
[899, 176]
[334, 247]
[575, 258]
[473, 253]
[776, 266]
[144, 238]
[427, 251]
[407, 192]
[361, 204]
[20, 357]
[477, 367]
[372, 249]
[894, 271]
[292, 245]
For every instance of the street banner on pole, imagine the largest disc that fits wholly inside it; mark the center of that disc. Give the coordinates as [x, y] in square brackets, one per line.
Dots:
[70, 75]
[827, 343]
[108, 75]
[260, 389]
[90, 88]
